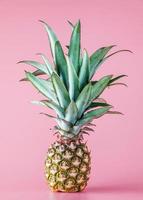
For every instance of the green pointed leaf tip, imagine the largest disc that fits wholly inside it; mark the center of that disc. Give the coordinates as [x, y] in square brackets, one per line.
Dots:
[97, 57]
[84, 70]
[35, 73]
[119, 51]
[61, 64]
[52, 37]
[73, 80]
[36, 64]
[99, 87]
[74, 48]
[60, 90]
[116, 78]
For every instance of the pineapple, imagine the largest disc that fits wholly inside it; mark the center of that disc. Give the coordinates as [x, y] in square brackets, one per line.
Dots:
[70, 91]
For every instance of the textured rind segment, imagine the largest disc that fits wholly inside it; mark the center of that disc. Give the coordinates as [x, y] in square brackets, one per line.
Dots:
[67, 167]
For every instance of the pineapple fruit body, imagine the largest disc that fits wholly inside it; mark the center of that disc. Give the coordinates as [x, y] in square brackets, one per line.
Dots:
[67, 166]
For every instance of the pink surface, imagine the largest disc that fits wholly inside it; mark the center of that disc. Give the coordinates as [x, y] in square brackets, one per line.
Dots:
[117, 145]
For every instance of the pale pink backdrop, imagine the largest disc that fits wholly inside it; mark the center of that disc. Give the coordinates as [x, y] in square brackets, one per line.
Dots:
[117, 144]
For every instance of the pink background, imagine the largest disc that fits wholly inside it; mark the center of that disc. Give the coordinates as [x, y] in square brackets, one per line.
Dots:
[117, 144]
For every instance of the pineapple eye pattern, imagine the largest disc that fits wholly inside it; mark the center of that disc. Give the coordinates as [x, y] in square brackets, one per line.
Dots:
[53, 169]
[86, 158]
[56, 158]
[80, 178]
[79, 152]
[51, 152]
[72, 146]
[61, 175]
[70, 182]
[83, 167]
[64, 165]
[48, 162]
[76, 161]
[67, 154]
[73, 172]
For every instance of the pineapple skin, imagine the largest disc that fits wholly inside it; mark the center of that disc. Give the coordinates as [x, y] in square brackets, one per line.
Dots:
[67, 166]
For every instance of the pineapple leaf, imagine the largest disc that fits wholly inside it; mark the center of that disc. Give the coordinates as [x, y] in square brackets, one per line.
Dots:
[64, 124]
[61, 64]
[73, 80]
[52, 37]
[84, 70]
[37, 65]
[71, 112]
[97, 57]
[42, 85]
[60, 90]
[55, 107]
[115, 112]
[97, 104]
[116, 78]
[83, 99]
[123, 50]
[74, 48]
[47, 63]
[118, 84]
[36, 73]
[99, 87]
[97, 112]
[87, 129]
[51, 116]
[89, 116]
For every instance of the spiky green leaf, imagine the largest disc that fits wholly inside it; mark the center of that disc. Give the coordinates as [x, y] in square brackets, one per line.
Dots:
[116, 78]
[73, 80]
[97, 104]
[89, 116]
[116, 52]
[47, 63]
[64, 125]
[37, 65]
[42, 85]
[61, 65]
[74, 47]
[83, 99]
[60, 90]
[71, 112]
[114, 84]
[36, 73]
[97, 57]
[99, 87]
[84, 70]
[114, 112]
[52, 37]
[59, 110]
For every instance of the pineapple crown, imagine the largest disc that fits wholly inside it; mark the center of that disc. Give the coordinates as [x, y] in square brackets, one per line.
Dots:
[69, 89]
